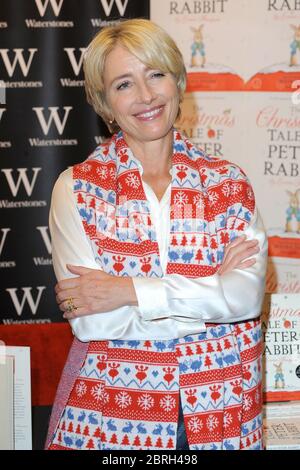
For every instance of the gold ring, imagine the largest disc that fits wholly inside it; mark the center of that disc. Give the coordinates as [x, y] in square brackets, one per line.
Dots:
[70, 305]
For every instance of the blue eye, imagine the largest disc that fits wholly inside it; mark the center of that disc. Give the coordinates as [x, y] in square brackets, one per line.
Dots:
[123, 85]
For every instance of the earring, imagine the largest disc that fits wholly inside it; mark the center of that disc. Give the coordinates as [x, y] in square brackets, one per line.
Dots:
[111, 121]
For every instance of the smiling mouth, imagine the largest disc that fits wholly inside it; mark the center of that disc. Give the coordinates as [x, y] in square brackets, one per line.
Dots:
[149, 115]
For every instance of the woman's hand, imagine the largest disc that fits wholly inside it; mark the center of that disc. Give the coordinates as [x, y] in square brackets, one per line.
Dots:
[93, 291]
[238, 254]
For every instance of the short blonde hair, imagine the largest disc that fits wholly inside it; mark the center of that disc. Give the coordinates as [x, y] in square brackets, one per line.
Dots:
[145, 40]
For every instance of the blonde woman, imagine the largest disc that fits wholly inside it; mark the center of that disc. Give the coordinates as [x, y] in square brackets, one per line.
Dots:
[160, 257]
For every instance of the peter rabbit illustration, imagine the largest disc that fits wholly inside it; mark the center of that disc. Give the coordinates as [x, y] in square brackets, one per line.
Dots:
[293, 212]
[279, 377]
[295, 44]
[198, 49]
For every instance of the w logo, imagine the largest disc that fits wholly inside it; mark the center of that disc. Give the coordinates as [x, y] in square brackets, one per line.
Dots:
[22, 178]
[121, 5]
[25, 297]
[60, 124]
[18, 59]
[76, 65]
[42, 6]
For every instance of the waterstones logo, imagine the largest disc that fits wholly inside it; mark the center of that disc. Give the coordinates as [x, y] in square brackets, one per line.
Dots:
[76, 61]
[16, 183]
[52, 6]
[55, 117]
[180, 7]
[18, 60]
[110, 8]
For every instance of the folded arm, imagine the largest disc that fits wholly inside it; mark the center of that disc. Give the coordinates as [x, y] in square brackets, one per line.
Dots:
[171, 300]
[230, 297]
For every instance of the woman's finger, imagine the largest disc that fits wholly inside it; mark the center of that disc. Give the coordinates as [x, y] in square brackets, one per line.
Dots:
[70, 305]
[79, 312]
[246, 264]
[243, 250]
[236, 242]
[237, 258]
[71, 283]
[66, 294]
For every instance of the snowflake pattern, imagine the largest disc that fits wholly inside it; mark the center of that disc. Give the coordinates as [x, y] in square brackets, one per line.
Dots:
[236, 188]
[213, 198]
[86, 167]
[227, 420]
[102, 172]
[81, 389]
[123, 399]
[180, 199]
[146, 401]
[132, 181]
[195, 424]
[198, 200]
[212, 422]
[167, 403]
[226, 189]
[97, 392]
[247, 403]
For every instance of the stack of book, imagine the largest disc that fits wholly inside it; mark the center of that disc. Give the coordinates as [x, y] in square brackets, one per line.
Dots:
[281, 366]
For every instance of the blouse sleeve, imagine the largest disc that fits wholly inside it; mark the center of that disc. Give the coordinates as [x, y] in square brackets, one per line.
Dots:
[232, 297]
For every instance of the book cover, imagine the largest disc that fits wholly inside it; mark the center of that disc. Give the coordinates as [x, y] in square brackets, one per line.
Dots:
[281, 358]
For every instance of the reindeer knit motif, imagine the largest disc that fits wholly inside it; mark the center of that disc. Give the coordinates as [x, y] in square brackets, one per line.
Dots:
[119, 394]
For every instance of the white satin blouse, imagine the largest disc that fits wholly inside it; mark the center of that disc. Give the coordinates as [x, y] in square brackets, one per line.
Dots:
[170, 307]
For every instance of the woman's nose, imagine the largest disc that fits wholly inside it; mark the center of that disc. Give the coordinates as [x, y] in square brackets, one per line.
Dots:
[146, 94]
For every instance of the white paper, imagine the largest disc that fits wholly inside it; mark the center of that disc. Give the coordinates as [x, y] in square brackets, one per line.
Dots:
[22, 397]
[6, 403]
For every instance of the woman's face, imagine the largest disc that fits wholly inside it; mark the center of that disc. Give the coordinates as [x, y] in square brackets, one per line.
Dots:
[143, 101]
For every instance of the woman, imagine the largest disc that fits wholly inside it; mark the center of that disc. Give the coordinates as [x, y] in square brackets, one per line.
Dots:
[165, 336]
